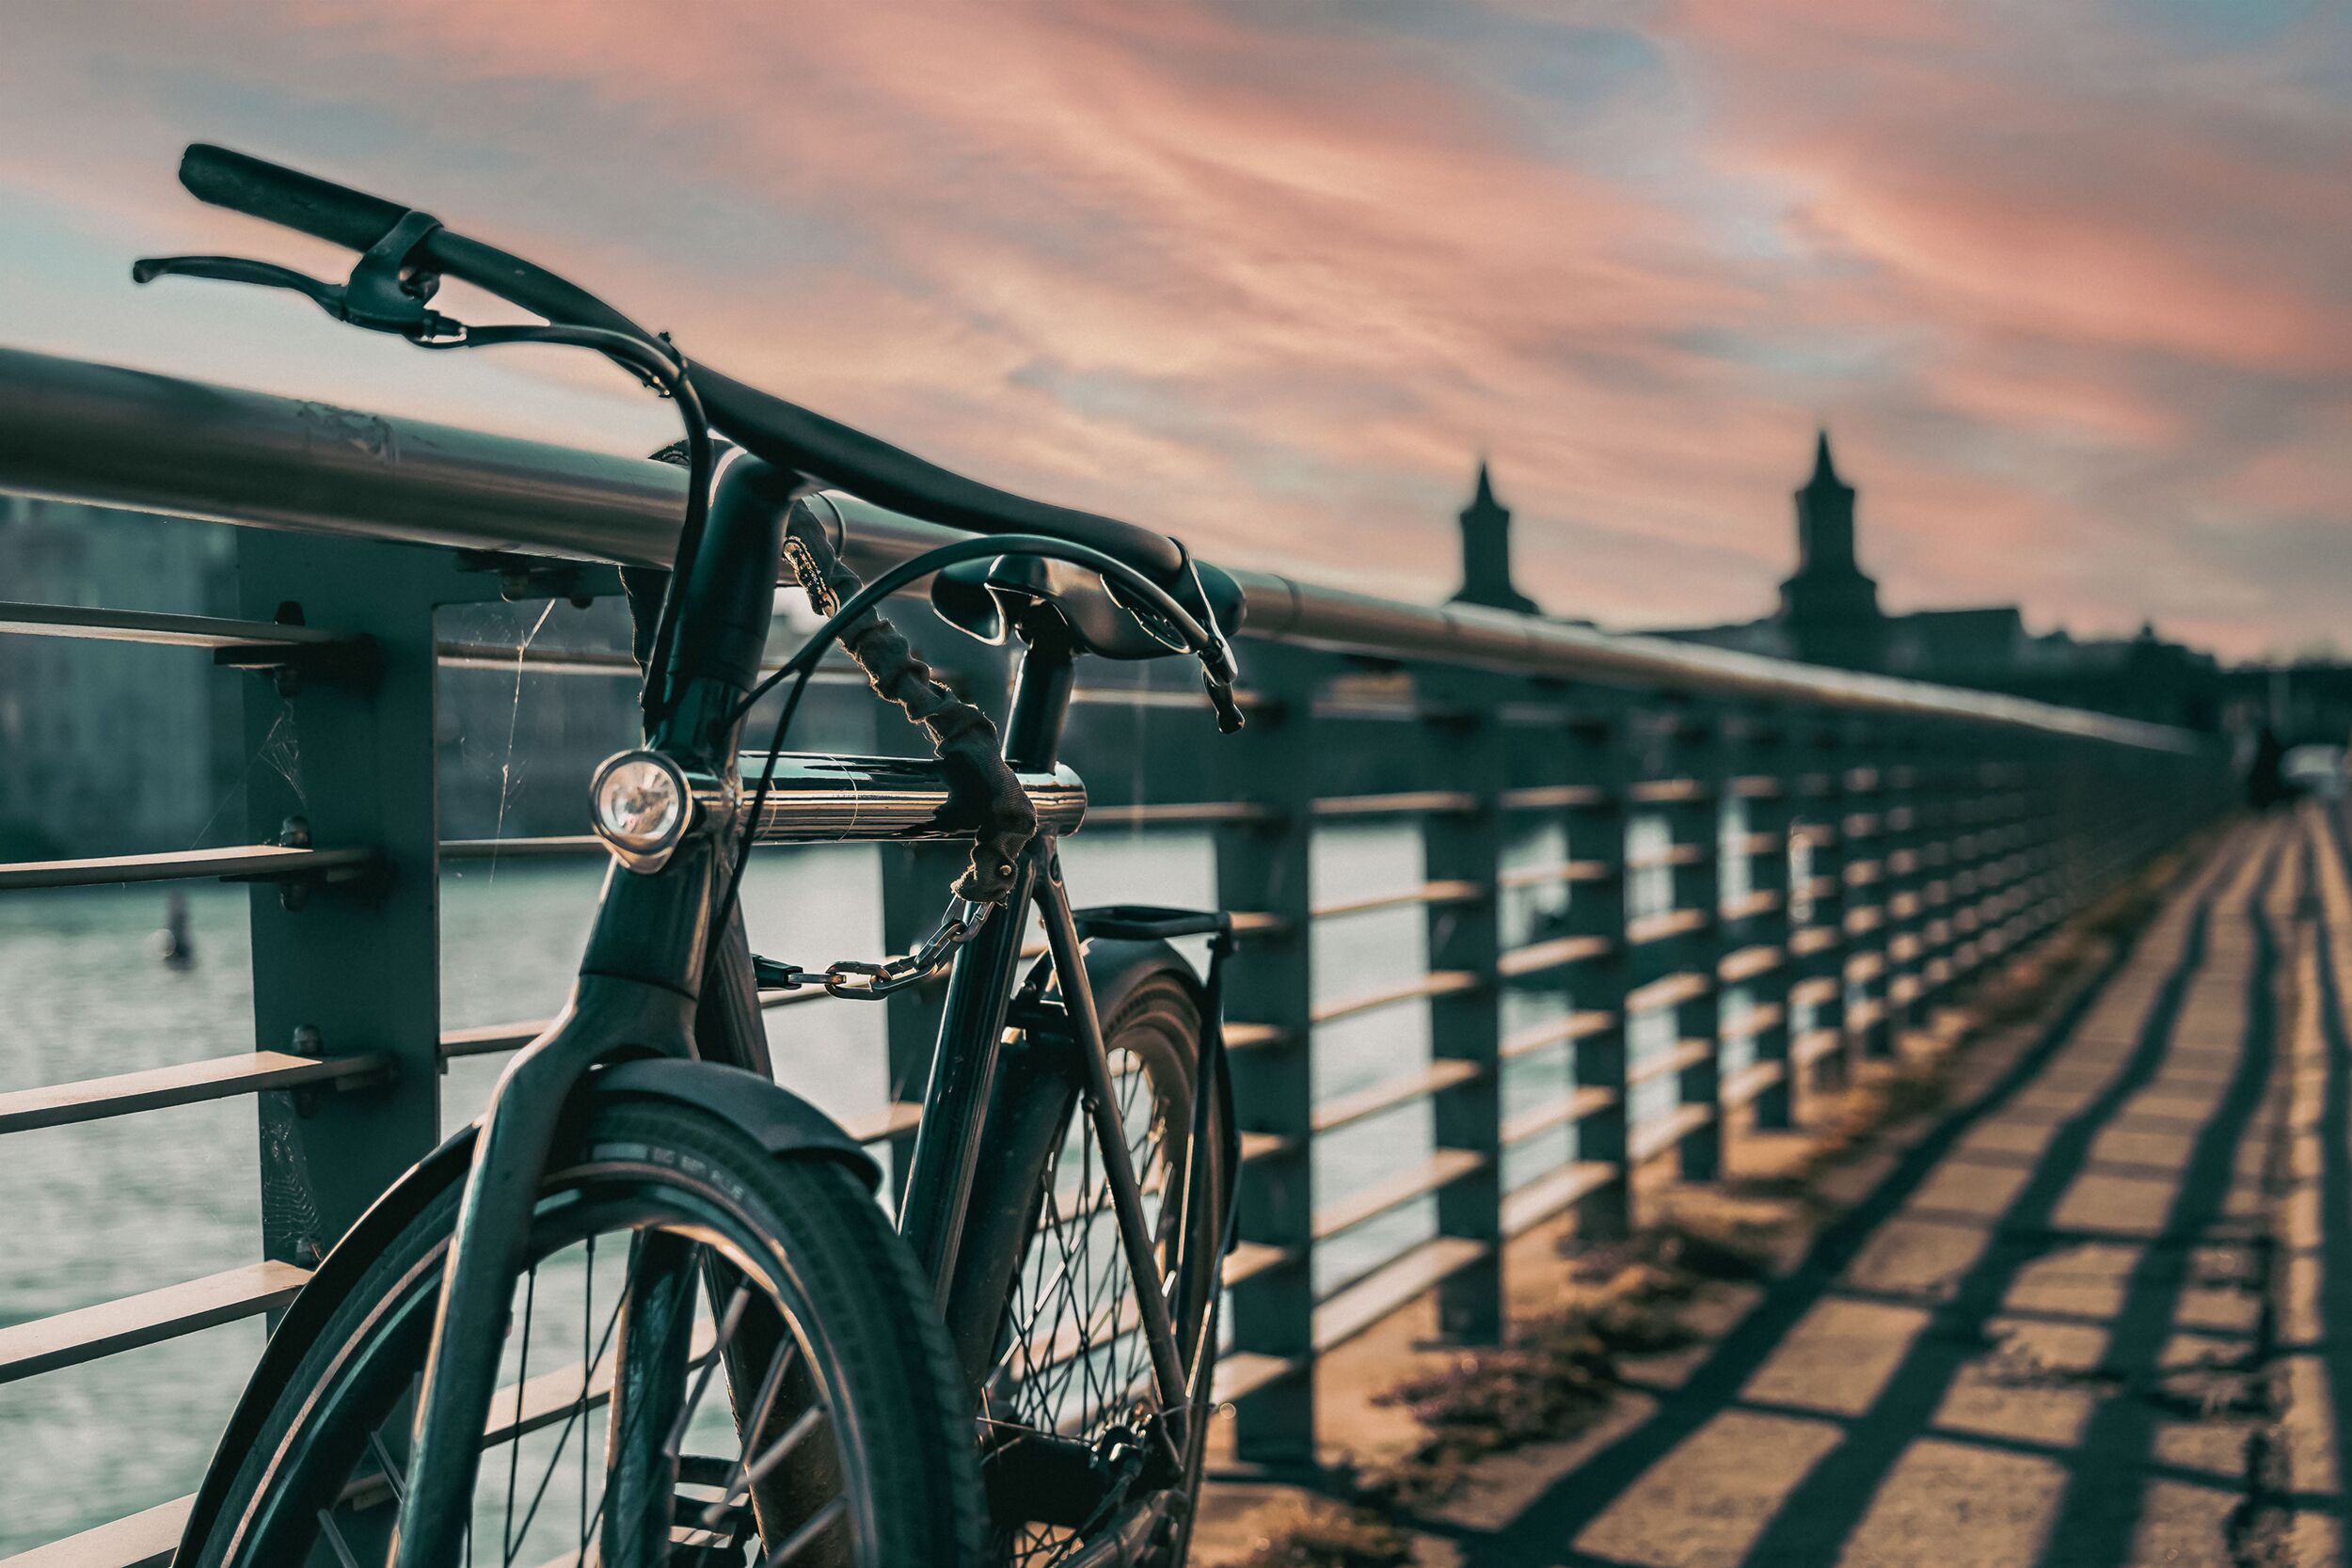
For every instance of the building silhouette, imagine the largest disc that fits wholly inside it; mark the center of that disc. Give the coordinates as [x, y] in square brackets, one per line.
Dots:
[1828, 605]
[1829, 613]
[515, 741]
[113, 745]
[1486, 552]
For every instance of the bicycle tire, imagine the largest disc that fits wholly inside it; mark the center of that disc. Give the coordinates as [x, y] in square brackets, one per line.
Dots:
[898, 1419]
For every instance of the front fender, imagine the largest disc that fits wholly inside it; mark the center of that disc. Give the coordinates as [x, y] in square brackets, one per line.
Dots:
[777, 1119]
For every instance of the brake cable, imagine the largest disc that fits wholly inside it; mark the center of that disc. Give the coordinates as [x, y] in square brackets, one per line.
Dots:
[964, 738]
[663, 368]
[385, 293]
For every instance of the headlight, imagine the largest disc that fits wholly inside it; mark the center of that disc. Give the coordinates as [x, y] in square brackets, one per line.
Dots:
[642, 804]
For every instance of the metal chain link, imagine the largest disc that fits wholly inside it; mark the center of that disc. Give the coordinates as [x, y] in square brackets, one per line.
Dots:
[857, 980]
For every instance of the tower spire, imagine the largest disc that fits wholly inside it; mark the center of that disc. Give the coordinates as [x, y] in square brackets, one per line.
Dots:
[1824, 471]
[1487, 551]
[1829, 604]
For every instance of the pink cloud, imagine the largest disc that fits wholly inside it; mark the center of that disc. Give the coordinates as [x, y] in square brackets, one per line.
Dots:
[1271, 278]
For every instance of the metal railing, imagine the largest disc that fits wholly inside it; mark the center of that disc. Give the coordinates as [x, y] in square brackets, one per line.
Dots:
[1660, 885]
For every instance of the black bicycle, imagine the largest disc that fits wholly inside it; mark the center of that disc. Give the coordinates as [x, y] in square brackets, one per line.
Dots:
[647, 1311]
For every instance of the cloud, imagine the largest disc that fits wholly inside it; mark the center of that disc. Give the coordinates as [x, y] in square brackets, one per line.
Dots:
[2070, 285]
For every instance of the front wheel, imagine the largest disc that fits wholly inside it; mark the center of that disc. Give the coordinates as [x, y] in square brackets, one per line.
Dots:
[788, 1395]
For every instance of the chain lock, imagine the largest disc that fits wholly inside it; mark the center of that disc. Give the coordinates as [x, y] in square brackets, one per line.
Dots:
[857, 980]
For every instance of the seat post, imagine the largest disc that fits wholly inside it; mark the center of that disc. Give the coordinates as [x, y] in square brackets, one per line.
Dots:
[1040, 700]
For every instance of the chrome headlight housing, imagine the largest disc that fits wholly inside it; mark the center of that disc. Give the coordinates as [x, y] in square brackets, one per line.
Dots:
[640, 805]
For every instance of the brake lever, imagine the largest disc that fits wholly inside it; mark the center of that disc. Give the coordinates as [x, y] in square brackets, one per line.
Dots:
[1219, 670]
[1229, 714]
[381, 295]
[236, 269]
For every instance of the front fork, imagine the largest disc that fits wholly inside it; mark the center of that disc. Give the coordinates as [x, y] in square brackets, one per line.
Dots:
[637, 996]
[610, 1017]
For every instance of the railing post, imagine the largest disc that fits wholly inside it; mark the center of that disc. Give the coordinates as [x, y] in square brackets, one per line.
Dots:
[2079, 835]
[1860, 833]
[1262, 865]
[1962, 846]
[1671, 951]
[2042, 895]
[1997, 827]
[1904, 846]
[1465, 739]
[1761, 922]
[1817, 903]
[1597, 749]
[1939, 824]
[352, 968]
[2021, 836]
[1697, 822]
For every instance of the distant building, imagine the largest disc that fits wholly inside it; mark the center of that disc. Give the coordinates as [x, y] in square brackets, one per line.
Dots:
[1828, 605]
[1829, 615]
[1486, 553]
[113, 745]
[117, 747]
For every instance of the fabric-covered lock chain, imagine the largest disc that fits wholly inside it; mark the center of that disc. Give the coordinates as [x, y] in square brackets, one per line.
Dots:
[964, 738]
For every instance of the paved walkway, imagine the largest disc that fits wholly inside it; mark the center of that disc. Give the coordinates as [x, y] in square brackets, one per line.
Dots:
[2080, 1325]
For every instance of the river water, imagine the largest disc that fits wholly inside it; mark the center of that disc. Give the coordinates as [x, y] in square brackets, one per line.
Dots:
[95, 1211]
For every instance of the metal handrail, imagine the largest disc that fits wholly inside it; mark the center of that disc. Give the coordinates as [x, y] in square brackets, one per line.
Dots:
[1992, 833]
[103, 435]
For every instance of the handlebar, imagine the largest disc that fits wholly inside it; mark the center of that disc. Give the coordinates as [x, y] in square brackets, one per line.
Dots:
[783, 433]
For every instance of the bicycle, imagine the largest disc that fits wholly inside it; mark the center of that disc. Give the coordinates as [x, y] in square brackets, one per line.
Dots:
[1020, 1373]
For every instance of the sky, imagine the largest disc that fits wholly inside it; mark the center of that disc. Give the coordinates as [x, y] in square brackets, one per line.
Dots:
[2069, 285]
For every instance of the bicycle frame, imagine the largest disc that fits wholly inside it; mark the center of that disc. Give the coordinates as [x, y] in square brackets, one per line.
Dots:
[646, 991]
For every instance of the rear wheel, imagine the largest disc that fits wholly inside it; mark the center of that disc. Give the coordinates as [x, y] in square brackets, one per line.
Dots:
[803, 1406]
[1071, 1364]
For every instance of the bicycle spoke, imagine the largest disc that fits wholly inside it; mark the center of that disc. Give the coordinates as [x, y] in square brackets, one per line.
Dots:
[564, 1437]
[394, 1475]
[587, 1375]
[727, 1323]
[744, 1479]
[802, 1424]
[515, 1454]
[335, 1539]
[416, 1392]
[801, 1539]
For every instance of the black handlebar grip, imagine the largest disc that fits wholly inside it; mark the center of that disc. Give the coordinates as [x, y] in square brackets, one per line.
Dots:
[285, 196]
